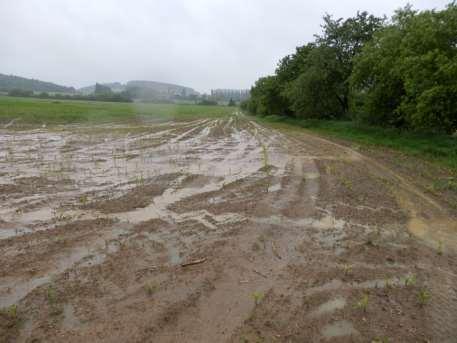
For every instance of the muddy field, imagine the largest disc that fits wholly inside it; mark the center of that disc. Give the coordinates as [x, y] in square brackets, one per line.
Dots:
[217, 230]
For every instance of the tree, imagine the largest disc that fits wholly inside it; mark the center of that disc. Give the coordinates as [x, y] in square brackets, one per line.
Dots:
[102, 90]
[206, 102]
[408, 73]
[314, 81]
[20, 92]
[266, 97]
[231, 103]
[376, 80]
[314, 94]
[288, 70]
[290, 67]
[43, 95]
[345, 40]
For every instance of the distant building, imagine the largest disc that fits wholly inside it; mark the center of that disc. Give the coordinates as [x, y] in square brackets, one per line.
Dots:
[227, 94]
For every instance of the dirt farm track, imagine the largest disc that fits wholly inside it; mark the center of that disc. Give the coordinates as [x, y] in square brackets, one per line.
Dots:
[217, 230]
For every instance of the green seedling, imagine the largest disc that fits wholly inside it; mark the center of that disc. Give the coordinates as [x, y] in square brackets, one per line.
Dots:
[262, 239]
[64, 218]
[151, 288]
[328, 170]
[440, 248]
[362, 304]
[445, 184]
[83, 200]
[380, 340]
[346, 183]
[141, 179]
[56, 310]
[11, 311]
[378, 232]
[423, 297]
[256, 246]
[389, 283]
[51, 295]
[410, 280]
[356, 147]
[258, 297]
[265, 158]
[371, 241]
[347, 269]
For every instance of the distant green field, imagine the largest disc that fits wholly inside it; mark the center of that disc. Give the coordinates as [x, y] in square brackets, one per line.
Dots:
[48, 111]
[438, 148]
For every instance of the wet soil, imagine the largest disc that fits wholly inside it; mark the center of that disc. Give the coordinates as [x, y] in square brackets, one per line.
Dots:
[220, 231]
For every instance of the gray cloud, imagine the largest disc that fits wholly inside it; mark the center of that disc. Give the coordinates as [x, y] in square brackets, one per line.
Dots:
[199, 43]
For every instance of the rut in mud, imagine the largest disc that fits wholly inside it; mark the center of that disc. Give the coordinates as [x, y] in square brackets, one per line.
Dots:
[299, 239]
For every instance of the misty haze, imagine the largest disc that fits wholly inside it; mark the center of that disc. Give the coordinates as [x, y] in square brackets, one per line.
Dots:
[228, 171]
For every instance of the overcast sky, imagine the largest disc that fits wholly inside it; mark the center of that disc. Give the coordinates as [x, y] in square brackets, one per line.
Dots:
[203, 44]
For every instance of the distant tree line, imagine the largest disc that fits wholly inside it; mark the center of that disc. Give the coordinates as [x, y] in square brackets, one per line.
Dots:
[206, 102]
[104, 93]
[101, 93]
[400, 72]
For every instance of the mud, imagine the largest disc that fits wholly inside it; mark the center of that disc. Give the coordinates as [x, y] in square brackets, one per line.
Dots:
[298, 239]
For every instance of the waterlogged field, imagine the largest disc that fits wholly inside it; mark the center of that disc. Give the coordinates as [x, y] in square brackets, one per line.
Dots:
[214, 229]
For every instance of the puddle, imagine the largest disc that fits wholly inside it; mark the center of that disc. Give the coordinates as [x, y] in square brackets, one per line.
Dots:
[43, 214]
[8, 233]
[311, 176]
[39, 220]
[438, 233]
[339, 329]
[13, 290]
[177, 242]
[274, 188]
[329, 286]
[172, 243]
[325, 223]
[379, 283]
[159, 207]
[329, 307]
[26, 218]
[337, 284]
[94, 252]
[70, 321]
[429, 222]
[174, 255]
[92, 260]
[328, 222]
[328, 231]
[26, 331]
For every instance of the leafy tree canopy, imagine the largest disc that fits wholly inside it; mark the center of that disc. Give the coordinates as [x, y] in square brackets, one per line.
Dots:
[400, 72]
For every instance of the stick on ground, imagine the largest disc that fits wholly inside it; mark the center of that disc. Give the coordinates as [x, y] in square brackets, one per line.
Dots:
[191, 263]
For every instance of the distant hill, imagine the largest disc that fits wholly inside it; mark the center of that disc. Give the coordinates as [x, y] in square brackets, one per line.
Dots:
[10, 82]
[116, 87]
[162, 88]
[137, 89]
[146, 90]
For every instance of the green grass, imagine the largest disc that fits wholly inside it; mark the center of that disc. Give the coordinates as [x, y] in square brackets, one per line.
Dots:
[47, 111]
[438, 148]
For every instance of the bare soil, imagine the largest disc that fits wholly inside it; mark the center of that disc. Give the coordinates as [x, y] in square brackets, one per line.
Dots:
[220, 231]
